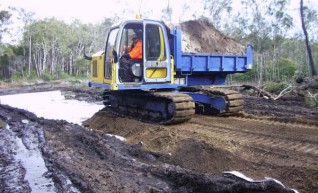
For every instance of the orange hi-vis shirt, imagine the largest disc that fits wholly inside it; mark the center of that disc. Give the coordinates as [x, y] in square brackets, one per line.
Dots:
[136, 52]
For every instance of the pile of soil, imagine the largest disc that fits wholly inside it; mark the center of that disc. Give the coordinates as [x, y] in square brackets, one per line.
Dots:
[202, 37]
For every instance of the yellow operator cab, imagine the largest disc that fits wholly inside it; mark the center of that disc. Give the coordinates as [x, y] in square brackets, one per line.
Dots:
[111, 70]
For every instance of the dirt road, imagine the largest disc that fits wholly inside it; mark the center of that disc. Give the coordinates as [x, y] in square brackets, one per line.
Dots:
[277, 139]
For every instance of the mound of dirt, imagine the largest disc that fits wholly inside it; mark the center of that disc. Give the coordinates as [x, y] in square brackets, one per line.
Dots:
[169, 144]
[202, 156]
[202, 37]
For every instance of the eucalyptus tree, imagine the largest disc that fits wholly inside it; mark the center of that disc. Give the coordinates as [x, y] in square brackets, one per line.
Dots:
[167, 12]
[99, 33]
[258, 33]
[281, 22]
[307, 16]
[86, 35]
[266, 25]
[89, 36]
[58, 47]
[5, 63]
[26, 17]
[5, 16]
[218, 11]
[50, 39]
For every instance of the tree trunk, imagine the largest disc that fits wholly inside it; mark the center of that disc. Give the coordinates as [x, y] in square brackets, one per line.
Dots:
[71, 64]
[311, 61]
[44, 59]
[36, 66]
[30, 48]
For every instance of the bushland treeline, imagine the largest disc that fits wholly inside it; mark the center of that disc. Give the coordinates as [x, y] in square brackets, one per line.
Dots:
[52, 48]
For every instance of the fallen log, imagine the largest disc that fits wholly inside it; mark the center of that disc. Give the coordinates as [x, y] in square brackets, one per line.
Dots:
[260, 92]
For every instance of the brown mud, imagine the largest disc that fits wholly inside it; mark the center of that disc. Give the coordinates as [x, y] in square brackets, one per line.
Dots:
[189, 157]
[277, 139]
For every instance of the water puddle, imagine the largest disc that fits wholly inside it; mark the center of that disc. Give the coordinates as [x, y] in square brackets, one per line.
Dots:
[23, 165]
[33, 163]
[49, 105]
[52, 105]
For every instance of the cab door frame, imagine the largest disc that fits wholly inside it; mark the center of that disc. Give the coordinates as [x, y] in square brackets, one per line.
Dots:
[156, 67]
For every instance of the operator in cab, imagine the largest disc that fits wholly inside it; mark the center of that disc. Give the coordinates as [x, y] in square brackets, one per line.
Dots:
[132, 57]
[136, 49]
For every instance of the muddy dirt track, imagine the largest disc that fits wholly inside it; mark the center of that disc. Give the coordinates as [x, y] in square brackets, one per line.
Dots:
[277, 139]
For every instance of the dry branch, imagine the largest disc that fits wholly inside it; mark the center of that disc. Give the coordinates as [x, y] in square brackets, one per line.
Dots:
[299, 90]
[313, 96]
[289, 89]
[260, 91]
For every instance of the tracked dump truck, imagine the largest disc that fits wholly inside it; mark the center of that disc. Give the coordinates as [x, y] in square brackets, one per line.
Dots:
[165, 86]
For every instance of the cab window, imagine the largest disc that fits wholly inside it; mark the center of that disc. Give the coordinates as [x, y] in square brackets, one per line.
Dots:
[110, 52]
[155, 46]
[129, 31]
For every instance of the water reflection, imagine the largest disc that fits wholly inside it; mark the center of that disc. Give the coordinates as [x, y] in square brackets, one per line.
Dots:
[52, 105]
[25, 152]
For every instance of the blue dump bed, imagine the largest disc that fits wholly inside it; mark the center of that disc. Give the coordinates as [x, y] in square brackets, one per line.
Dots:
[215, 62]
[199, 62]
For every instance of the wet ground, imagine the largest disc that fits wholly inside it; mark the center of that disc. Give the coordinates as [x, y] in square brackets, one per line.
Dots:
[277, 139]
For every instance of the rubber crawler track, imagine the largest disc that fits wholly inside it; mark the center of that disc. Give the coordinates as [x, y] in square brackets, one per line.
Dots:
[234, 100]
[179, 107]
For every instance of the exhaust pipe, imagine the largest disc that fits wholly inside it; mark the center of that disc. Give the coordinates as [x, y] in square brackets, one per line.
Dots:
[87, 57]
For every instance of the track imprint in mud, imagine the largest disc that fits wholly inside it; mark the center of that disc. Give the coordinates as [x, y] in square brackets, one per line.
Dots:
[310, 147]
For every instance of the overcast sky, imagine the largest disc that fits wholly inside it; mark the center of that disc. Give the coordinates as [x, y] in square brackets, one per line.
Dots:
[94, 11]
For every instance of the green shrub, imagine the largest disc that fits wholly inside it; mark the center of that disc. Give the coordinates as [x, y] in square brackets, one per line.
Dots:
[287, 68]
[64, 75]
[17, 77]
[33, 75]
[74, 81]
[310, 101]
[47, 76]
[243, 77]
[273, 87]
